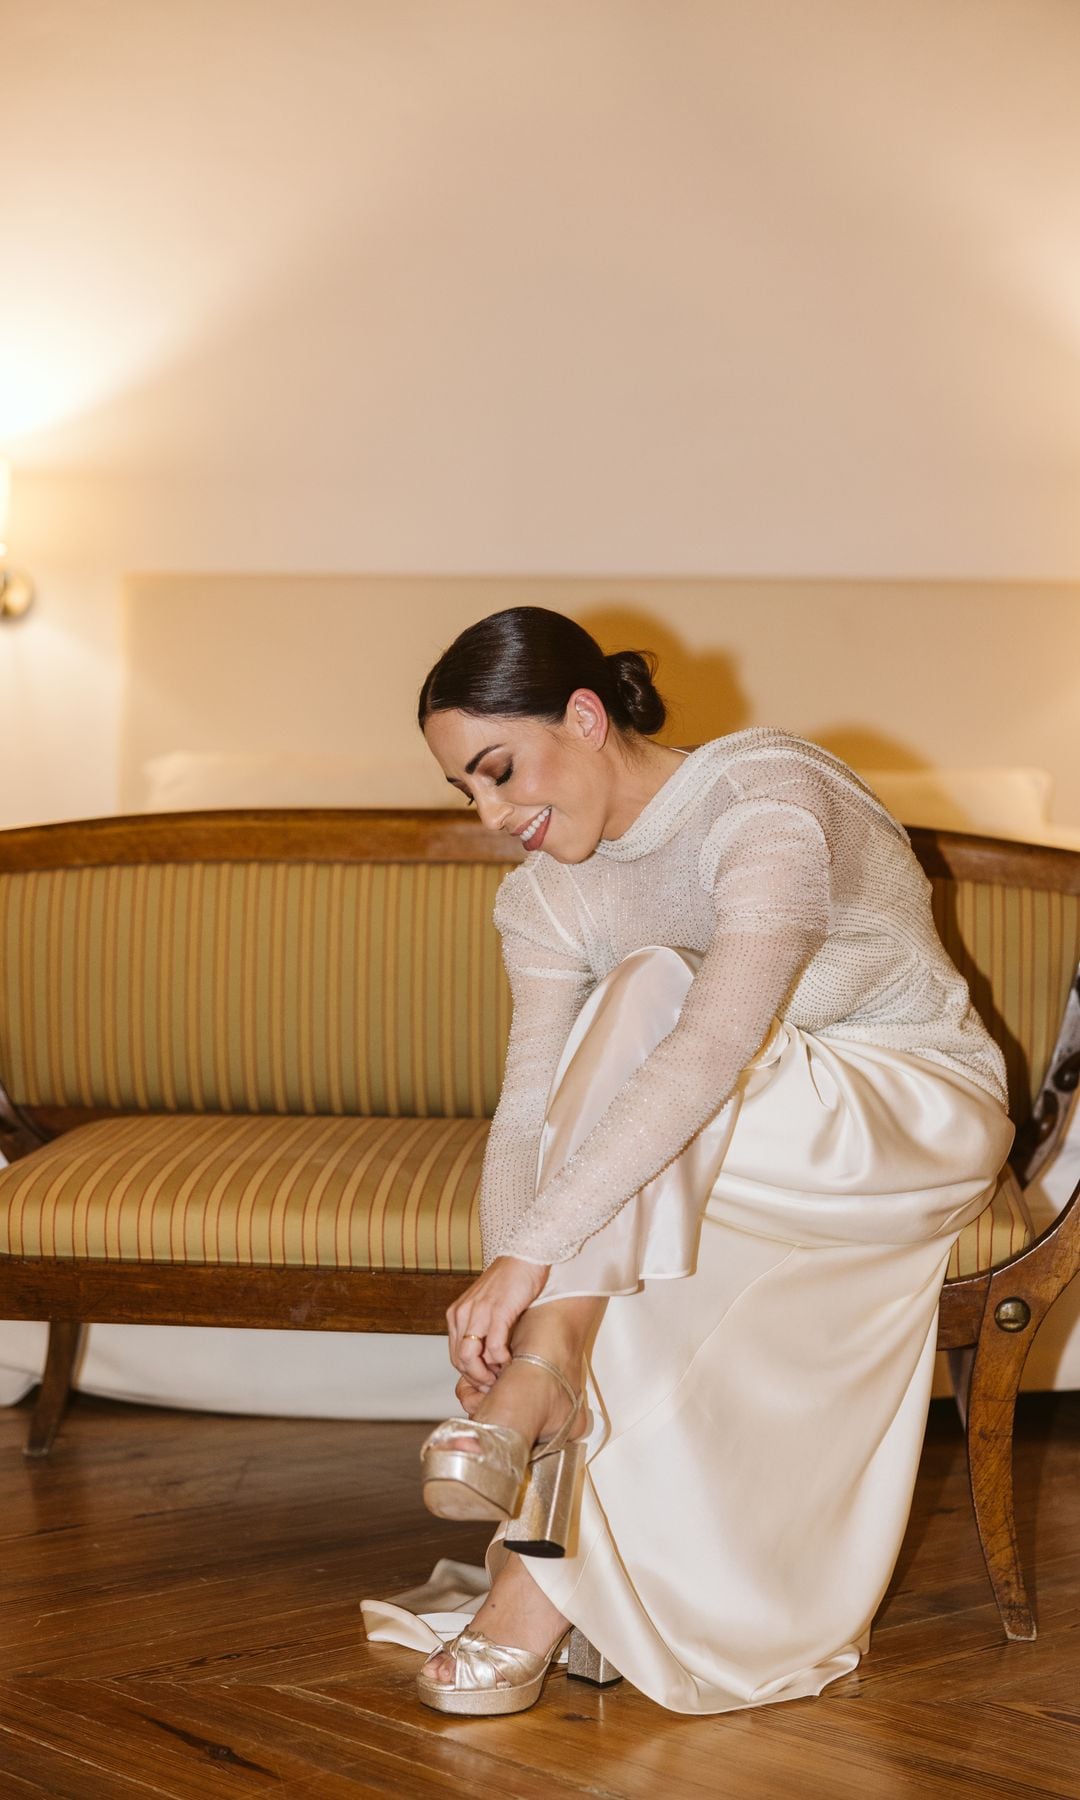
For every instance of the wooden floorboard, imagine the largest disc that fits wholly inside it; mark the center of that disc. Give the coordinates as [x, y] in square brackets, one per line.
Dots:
[179, 1617]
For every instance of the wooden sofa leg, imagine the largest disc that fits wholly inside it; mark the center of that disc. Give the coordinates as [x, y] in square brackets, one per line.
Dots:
[998, 1364]
[1020, 1295]
[55, 1388]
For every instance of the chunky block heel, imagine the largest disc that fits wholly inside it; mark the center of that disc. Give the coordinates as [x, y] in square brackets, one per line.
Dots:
[549, 1506]
[586, 1663]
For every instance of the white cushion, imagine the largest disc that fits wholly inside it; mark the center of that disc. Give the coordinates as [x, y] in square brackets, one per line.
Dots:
[1005, 802]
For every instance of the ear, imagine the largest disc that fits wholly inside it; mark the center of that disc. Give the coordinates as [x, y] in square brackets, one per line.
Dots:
[586, 717]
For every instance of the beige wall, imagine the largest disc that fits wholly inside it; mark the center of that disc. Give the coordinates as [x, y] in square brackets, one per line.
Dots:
[887, 675]
[61, 680]
[731, 288]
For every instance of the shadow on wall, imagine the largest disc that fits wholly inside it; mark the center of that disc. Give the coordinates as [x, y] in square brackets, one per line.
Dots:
[703, 693]
[706, 698]
[864, 747]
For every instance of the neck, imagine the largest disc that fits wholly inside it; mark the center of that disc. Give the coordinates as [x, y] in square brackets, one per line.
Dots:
[635, 782]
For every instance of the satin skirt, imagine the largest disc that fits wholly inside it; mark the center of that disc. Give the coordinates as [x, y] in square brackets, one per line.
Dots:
[761, 1374]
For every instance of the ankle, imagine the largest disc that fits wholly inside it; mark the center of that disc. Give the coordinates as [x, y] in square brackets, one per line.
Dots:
[561, 1330]
[528, 1398]
[556, 1344]
[517, 1611]
[518, 1400]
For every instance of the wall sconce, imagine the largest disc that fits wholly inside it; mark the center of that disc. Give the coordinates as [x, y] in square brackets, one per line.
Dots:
[16, 589]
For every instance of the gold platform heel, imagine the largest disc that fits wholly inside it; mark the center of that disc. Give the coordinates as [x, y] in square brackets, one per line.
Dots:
[485, 1483]
[547, 1516]
[586, 1663]
[495, 1679]
[502, 1479]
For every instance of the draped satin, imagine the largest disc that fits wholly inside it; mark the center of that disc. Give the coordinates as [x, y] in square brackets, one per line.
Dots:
[761, 1374]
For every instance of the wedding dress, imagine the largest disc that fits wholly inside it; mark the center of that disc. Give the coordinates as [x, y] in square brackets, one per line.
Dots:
[748, 1099]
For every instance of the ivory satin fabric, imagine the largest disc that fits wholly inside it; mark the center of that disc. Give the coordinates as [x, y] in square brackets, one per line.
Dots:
[761, 1375]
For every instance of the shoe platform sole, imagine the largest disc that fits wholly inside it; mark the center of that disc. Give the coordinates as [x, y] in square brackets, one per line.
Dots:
[452, 1498]
[481, 1702]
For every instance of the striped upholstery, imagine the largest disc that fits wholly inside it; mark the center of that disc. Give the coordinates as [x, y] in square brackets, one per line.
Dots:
[1018, 949]
[314, 1192]
[321, 1193]
[1001, 1229]
[315, 1049]
[372, 988]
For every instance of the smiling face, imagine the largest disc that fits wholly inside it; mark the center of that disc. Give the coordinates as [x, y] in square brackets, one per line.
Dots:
[551, 782]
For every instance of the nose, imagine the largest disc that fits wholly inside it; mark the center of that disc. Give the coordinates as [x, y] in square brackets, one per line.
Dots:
[493, 812]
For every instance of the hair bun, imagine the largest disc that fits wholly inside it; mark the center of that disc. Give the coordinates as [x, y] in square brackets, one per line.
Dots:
[526, 662]
[632, 674]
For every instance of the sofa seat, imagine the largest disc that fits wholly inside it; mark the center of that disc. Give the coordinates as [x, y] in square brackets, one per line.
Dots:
[1001, 1230]
[317, 1192]
[278, 1191]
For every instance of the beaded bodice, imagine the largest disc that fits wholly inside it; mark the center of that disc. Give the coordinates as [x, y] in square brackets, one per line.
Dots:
[770, 858]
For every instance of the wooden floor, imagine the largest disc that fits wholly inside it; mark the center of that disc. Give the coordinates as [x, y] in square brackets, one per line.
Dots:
[178, 1616]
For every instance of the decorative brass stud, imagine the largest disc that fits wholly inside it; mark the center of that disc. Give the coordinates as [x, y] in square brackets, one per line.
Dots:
[1012, 1315]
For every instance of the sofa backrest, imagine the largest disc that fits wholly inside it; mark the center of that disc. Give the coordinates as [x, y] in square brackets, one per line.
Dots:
[345, 962]
[1009, 916]
[316, 979]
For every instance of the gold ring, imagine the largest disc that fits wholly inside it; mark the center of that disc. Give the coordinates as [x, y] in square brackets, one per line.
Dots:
[472, 1334]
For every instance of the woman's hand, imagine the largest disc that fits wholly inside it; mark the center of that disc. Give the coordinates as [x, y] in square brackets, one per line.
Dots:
[482, 1320]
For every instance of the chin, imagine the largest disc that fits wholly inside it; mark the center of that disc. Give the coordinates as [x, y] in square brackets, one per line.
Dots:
[579, 854]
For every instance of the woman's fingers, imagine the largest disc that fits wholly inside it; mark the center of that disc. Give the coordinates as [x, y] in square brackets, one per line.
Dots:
[469, 1396]
[468, 1334]
[481, 1321]
[497, 1343]
[467, 1356]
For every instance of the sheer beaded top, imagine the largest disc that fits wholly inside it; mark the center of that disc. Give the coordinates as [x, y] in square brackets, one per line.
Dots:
[772, 859]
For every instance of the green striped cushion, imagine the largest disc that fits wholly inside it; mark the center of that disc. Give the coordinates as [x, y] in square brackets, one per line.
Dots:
[1018, 949]
[313, 1193]
[254, 987]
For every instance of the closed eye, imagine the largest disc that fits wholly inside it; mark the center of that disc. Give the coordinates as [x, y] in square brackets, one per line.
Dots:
[499, 781]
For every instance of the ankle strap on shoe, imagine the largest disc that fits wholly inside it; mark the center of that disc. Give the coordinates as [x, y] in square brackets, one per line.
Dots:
[572, 1394]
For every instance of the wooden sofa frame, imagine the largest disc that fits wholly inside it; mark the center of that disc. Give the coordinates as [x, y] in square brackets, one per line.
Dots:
[987, 1321]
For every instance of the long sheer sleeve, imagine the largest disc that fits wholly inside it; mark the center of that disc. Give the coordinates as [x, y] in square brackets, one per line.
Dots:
[549, 980]
[766, 865]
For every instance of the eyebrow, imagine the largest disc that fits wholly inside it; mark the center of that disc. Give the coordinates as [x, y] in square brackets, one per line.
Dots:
[473, 761]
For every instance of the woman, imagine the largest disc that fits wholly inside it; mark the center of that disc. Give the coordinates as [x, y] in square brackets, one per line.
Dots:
[747, 1108]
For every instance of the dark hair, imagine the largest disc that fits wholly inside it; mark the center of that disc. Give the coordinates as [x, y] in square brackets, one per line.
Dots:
[527, 661]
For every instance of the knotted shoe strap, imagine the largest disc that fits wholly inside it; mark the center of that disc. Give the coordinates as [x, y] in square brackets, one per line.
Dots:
[479, 1663]
[502, 1448]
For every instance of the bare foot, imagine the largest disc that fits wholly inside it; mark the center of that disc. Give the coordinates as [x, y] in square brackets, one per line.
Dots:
[531, 1400]
[516, 1612]
[524, 1395]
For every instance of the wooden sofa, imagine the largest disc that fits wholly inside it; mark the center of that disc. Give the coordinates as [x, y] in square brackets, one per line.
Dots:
[247, 1063]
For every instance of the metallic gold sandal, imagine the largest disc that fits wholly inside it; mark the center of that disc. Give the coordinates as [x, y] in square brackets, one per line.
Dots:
[502, 1479]
[488, 1678]
[480, 1483]
[497, 1678]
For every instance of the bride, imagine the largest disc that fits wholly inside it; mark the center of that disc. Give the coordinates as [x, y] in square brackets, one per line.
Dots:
[747, 1108]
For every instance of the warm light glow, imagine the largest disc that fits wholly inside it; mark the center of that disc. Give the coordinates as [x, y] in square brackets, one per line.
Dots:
[5, 501]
